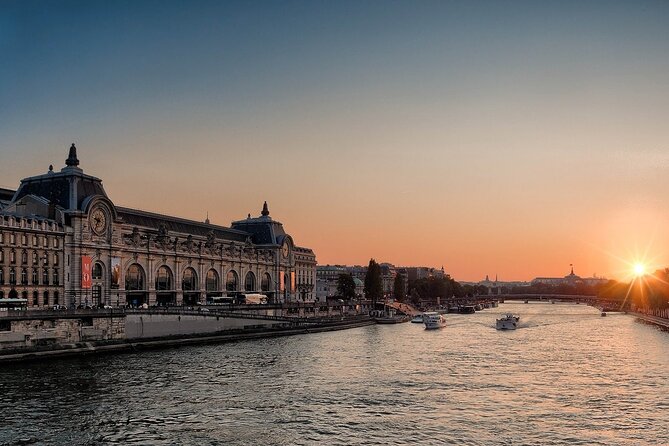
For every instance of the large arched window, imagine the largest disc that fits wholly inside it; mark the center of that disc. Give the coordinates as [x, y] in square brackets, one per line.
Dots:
[189, 281]
[97, 271]
[212, 280]
[250, 282]
[231, 281]
[134, 278]
[164, 280]
[266, 281]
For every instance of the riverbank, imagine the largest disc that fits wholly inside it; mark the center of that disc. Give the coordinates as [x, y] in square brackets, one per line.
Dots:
[120, 346]
[655, 320]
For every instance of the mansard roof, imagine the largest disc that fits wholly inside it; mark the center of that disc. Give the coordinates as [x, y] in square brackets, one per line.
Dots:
[151, 220]
[264, 230]
[68, 188]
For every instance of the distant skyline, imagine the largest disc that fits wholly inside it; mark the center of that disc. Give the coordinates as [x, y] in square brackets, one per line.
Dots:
[508, 138]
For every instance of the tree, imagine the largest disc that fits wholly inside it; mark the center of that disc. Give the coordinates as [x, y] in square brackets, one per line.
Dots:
[373, 284]
[398, 288]
[346, 286]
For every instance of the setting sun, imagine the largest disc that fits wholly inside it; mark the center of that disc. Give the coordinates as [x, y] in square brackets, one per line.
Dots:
[639, 269]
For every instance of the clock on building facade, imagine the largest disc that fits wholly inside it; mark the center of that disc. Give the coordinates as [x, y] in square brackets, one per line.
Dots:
[98, 220]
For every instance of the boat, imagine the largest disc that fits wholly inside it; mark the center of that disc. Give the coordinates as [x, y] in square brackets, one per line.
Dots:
[391, 319]
[508, 322]
[434, 320]
[417, 319]
[466, 309]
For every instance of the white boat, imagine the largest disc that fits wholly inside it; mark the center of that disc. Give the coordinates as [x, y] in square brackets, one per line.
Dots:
[508, 322]
[433, 320]
[417, 319]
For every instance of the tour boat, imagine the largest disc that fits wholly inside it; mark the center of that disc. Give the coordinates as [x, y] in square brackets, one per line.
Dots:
[433, 320]
[417, 319]
[508, 322]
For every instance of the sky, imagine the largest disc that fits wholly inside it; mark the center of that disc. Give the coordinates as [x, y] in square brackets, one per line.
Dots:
[502, 138]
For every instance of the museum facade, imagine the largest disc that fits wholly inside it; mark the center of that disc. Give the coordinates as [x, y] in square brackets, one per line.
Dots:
[64, 242]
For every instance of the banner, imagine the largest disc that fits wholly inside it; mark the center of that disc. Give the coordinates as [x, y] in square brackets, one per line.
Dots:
[282, 281]
[115, 272]
[292, 282]
[86, 279]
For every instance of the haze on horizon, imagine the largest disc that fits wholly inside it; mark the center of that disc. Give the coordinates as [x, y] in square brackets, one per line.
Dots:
[509, 139]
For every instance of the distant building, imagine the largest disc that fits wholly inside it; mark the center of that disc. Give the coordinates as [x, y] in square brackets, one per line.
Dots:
[327, 275]
[570, 279]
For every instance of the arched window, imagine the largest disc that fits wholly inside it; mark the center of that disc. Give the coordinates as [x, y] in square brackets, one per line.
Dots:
[164, 280]
[24, 257]
[12, 276]
[250, 282]
[45, 276]
[35, 276]
[134, 278]
[189, 281]
[46, 298]
[24, 276]
[55, 297]
[97, 271]
[231, 281]
[35, 298]
[266, 281]
[212, 280]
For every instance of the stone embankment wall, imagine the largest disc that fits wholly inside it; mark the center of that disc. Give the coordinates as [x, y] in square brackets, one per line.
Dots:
[140, 326]
[52, 332]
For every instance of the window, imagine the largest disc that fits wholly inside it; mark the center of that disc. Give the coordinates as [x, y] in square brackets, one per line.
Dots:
[2, 256]
[212, 281]
[46, 298]
[24, 276]
[134, 278]
[54, 281]
[266, 280]
[24, 239]
[24, 257]
[35, 298]
[12, 238]
[231, 281]
[55, 259]
[250, 282]
[12, 256]
[189, 281]
[2, 276]
[45, 242]
[46, 259]
[55, 297]
[97, 269]
[164, 279]
[35, 277]
[55, 242]
[45, 276]
[12, 276]
[35, 258]
[35, 241]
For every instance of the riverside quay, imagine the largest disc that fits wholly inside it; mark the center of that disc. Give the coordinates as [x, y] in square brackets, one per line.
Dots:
[64, 242]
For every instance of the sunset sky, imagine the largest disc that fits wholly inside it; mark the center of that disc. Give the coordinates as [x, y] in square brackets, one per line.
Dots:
[509, 138]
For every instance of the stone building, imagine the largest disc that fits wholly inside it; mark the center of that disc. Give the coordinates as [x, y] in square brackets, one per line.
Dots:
[59, 222]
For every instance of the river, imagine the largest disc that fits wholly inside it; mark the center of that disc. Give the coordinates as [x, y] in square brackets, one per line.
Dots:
[567, 376]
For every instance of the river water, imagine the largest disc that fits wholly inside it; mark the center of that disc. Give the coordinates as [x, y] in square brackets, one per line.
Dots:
[566, 376]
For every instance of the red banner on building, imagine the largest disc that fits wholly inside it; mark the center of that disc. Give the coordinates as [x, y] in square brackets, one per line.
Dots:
[86, 279]
[282, 281]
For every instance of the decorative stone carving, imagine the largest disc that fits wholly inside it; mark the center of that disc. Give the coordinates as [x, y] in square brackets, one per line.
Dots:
[135, 239]
[162, 240]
